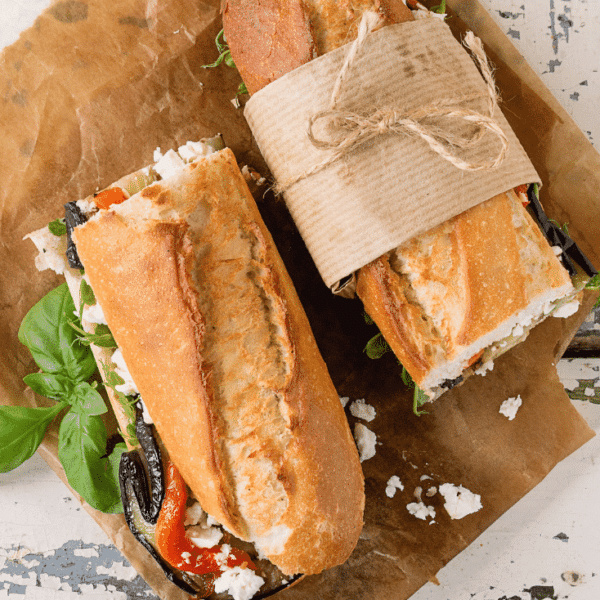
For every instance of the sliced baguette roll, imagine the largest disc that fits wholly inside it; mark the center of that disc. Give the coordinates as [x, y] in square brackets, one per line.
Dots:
[215, 338]
[450, 300]
[460, 295]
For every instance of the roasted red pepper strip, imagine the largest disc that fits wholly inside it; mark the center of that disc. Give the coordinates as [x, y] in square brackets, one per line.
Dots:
[172, 543]
[522, 189]
[109, 197]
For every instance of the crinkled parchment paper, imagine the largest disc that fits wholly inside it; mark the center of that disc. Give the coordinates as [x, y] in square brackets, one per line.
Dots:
[94, 87]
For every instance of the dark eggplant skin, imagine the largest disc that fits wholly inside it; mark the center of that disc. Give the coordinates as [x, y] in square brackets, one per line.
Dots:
[132, 478]
[150, 506]
[73, 218]
[557, 237]
[450, 383]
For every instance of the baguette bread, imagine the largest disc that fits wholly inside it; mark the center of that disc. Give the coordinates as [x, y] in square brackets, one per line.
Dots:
[452, 299]
[213, 334]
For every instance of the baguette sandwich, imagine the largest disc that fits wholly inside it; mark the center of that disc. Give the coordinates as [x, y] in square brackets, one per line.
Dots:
[452, 299]
[254, 476]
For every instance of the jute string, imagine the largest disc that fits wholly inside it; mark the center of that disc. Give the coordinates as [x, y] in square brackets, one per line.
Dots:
[346, 130]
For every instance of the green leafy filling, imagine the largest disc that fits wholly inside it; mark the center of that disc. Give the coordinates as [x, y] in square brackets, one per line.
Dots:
[375, 348]
[58, 227]
[225, 57]
[49, 330]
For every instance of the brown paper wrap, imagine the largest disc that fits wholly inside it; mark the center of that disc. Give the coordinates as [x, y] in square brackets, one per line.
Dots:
[386, 191]
[88, 93]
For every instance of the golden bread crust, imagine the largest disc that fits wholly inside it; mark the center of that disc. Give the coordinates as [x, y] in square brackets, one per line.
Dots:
[215, 337]
[443, 290]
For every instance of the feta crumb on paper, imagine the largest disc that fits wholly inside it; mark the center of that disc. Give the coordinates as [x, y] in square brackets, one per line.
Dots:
[510, 407]
[240, 583]
[365, 441]
[460, 501]
[392, 485]
[589, 392]
[419, 510]
[361, 410]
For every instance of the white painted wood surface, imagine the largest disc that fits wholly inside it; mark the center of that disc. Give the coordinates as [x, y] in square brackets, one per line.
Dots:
[50, 549]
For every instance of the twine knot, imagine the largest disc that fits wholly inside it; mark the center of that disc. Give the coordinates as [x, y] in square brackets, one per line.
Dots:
[342, 131]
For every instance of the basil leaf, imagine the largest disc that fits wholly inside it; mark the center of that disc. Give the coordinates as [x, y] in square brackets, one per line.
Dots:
[86, 400]
[86, 293]
[58, 227]
[50, 385]
[22, 430]
[81, 450]
[45, 330]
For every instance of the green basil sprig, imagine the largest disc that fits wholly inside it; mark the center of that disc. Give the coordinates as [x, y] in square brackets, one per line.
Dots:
[66, 366]
[375, 348]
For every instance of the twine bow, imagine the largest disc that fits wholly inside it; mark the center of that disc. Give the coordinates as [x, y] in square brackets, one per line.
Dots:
[342, 131]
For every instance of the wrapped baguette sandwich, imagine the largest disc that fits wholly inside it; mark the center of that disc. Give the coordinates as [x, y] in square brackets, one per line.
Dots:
[449, 300]
[233, 402]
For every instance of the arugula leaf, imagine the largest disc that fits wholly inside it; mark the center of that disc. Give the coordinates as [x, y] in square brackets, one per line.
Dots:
[57, 227]
[22, 430]
[440, 8]
[46, 331]
[51, 385]
[594, 284]
[377, 346]
[111, 380]
[102, 336]
[82, 452]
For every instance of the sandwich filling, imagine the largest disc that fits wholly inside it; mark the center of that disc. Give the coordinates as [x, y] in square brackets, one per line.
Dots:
[232, 264]
[463, 296]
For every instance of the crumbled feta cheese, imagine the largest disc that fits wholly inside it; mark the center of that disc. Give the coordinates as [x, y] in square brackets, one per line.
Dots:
[201, 533]
[392, 485]
[169, 164]
[221, 558]
[240, 583]
[128, 388]
[460, 501]
[51, 250]
[566, 310]
[93, 314]
[432, 491]
[361, 410]
[157, 155]
[510, 407]
[194, 515]
[193, 150]
[557, 250]
[419, 510]
[485, 367]
[344, 400]
[365, 441]
[204, 537]
[87, 207]
[589, 391]
[518, 331]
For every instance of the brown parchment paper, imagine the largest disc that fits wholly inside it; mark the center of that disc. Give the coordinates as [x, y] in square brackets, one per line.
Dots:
[386, 191]
[86, 96]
